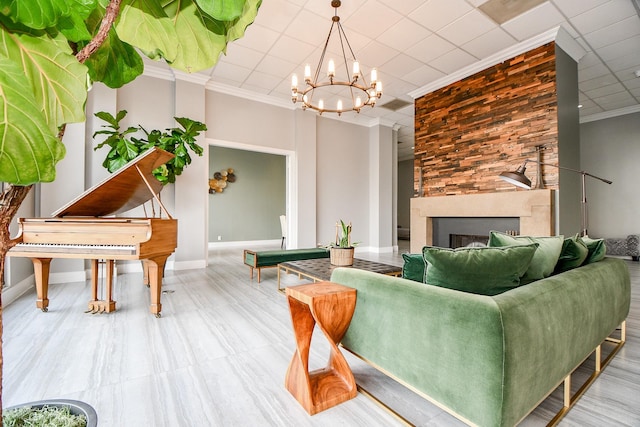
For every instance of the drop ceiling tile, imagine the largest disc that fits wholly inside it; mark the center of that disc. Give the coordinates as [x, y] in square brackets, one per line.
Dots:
[467, 28]
[593, 72]
[399, 65]
[453, 61]
[573, 8]
[291, 49]
[597, 82]
[430, 48]
[629, 79]
[534, 22]
[276, 15]
[276, 66]
[631, 60]
[404, 34]
[310, 28]
[588, 111]
[242, 56]
[405, 7]
[589, 59]
[323, 8]
[373, 19]
[606, 14]
[258, 38]
[263, 81]
[489, 43]
[375, 54]
[435, 14]
[230, 72]
[607, 90]
[615, 50]
[423, 76]
[623, 99]
[614, 33]
[636, 92]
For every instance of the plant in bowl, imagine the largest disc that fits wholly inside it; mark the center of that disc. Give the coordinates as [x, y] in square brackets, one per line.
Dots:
[342, 249]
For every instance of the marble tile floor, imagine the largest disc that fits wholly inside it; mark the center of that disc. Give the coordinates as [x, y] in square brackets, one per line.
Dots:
[218, 357]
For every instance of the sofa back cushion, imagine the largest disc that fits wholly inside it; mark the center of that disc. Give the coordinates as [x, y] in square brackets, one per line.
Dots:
[597, 249]
[479, 270]
[574, 253]
[546, 256]
[414, 267]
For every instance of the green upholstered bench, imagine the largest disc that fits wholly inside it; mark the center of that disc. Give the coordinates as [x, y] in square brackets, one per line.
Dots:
[265, 259]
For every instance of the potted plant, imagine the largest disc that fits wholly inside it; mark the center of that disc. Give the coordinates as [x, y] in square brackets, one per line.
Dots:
[177, 141]
[53, 413]
[342, 249]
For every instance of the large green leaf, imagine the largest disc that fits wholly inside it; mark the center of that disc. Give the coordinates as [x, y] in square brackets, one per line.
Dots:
[37, 14]
[115, 63]
[57, 81]
[29, 150]
[222, 10]
[145, 25]
[249, 14]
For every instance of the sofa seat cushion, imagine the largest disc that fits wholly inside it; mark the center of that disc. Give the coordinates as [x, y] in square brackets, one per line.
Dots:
[574, 252]
[597, 249]
[479, 270]
[414, 267]
[546, 256]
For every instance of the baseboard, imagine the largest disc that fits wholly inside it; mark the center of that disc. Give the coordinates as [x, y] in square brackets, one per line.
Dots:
[14, 292]
[244, 244]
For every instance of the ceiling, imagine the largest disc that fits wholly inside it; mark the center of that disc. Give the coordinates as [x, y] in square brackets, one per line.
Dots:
[418, 46]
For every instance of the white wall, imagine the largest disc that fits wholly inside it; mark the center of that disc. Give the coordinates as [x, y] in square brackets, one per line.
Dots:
[610, 149]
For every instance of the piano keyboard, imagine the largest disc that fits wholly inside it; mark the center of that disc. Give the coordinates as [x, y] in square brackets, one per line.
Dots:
[75, 248]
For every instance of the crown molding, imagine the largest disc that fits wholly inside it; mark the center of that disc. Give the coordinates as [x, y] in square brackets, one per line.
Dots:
[158, 72]
[197, 78]
[557, 34]
[250, 95]
[610, 114]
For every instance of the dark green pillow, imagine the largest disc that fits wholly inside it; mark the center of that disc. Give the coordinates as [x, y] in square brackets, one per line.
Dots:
[545, 259]
[574, 253]
[597, 249]
[483, 270]
[414, 267]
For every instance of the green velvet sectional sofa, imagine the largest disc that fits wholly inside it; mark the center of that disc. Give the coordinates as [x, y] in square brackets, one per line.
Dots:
[487, 359]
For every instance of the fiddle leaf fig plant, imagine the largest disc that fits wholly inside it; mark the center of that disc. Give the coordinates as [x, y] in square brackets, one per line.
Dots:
[124, 148]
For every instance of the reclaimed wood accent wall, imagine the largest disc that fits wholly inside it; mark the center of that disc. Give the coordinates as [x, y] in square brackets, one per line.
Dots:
[470, 131]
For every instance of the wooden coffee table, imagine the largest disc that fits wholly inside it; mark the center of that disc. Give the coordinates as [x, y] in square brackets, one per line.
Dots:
[319, 270]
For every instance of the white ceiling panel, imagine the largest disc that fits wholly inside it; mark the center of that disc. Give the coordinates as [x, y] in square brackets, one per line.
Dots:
[399, 38]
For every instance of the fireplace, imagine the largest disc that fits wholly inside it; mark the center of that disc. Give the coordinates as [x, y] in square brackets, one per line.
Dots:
[533, 209]
[455, 232]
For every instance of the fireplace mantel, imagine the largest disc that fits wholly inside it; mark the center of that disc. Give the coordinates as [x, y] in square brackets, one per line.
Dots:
[535, 208]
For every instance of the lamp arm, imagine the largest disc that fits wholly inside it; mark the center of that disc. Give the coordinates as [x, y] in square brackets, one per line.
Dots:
[606, 181]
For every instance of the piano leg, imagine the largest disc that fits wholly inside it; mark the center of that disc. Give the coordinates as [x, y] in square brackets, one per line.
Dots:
[41, 271]
[155, 268]
[107, 305]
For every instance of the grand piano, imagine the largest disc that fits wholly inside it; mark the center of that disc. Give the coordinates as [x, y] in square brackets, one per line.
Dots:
[87, 228]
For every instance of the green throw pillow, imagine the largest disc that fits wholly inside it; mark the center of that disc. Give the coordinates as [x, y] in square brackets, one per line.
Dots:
[479, 270]
[597, 249]
[574, 252]
[414, 267]
[545, 258]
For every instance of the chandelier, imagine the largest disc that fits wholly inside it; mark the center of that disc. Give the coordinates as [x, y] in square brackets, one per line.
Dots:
[349, 92]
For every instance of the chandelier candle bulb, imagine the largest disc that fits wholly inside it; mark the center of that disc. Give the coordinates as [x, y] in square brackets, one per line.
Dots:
[321, 105]
[339, 105]
[358, 103]
[378, 89]
[331, 70]
[356, 70]
[307, 73]
[374, 76]
[294, 83]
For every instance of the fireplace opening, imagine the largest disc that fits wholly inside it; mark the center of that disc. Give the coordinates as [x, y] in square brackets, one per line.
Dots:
[455, 232]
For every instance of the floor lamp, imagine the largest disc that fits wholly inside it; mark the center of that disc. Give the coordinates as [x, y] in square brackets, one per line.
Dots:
[520, 179]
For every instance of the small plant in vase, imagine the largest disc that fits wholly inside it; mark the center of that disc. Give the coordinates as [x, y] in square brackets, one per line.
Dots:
[342, 249]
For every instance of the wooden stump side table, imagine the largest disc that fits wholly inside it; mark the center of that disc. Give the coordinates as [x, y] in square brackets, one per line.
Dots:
[331, 307]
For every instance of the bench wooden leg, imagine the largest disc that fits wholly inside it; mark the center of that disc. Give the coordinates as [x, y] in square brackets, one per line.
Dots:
[259, 274]
[251, 270]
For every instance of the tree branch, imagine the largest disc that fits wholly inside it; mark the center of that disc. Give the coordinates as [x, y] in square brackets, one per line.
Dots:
[110, 15]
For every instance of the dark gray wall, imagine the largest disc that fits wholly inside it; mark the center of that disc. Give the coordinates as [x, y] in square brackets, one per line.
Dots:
[568, 144]
[405, 192]
[250, 208]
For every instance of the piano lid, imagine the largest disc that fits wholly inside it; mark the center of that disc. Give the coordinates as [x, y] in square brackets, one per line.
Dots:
[123, 190]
